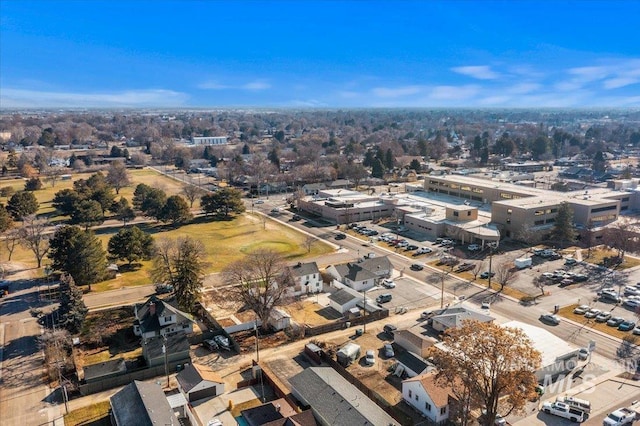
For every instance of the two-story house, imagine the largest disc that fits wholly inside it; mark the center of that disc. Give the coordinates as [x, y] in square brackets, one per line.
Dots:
[158, 318]
[433, 400]
[306, 278]
[363, 275]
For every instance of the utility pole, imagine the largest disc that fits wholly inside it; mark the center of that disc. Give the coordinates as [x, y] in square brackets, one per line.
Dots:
[166, 363]
[491, 246]
[364, 301]
[255, 326]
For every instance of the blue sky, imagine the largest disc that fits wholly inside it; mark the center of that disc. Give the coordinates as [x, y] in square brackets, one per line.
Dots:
[156, 53]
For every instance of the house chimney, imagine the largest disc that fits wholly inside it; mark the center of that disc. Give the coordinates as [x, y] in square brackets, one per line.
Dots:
[152, 308]
[278, 408]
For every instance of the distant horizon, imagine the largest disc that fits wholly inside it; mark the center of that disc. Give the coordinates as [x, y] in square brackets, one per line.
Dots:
[340, 54]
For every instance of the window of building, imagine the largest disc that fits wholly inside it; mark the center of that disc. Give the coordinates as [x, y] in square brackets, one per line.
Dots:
[443, 410]
[410, 394]
[604, 209]
[454, 186]
[465, 188]
[478, 190]
[417, 398]
[455, 214]
[538, 212]
[167, 319]
[552, 220]
[469, 213]
[508, 220]
[427, 406]
[506, 195]
[539, 222]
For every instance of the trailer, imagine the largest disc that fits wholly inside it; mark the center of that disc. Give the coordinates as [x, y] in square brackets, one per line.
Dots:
[348, 354]
[523, 262]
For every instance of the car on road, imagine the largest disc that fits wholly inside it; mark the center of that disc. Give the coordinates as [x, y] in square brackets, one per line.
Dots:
[626, 326]
[388, 350]
[592, 313]
[259, 202]
[163, 288]
[615, 321]
[550, 318]
[486, 275]
[474, 247]
[384, 298]
[416, 267]
[388, 283]
[370, 357]
[485, 304]
[340, 236]
[603, 316]
[581, 310]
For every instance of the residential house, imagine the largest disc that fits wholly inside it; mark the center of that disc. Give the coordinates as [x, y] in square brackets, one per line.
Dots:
[197, 382]
[158, 318]
[363, 275]
[141, 404]
[346, 299]
[104, 370]
[277, 413]
[334, 401]
[431, 399]
[313, 188]
[306, 278]
[172, 349]
[411, 364]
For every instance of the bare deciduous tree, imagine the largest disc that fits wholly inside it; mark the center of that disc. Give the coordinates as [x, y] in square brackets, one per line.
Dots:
[261, 281]
[192, 193]
[11, 240]
[309, 242]
[118, 176]
[505, 273]
[33, 236]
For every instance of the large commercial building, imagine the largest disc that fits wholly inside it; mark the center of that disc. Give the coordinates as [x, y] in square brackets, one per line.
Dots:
[209, 140]
[475, 209]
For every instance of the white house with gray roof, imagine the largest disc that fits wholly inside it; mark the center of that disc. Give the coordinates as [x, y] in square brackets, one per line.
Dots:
[141, 404]
[336, 402]
[453, 317]
[306, 278]
[363, 275]
[158, 318]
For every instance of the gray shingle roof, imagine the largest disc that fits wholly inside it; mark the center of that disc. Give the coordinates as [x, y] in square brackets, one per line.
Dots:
[192, 375]
[411, 361]
[374, 264]
[142, 404]
[303, 269]
[175, 344]
[341, 297]
[105, 368]
[453, 317]
[335, 401]
[358, 273]
[150, 322]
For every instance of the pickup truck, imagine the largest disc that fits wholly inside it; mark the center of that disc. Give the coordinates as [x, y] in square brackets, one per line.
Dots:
[561, 409]
[622, 416]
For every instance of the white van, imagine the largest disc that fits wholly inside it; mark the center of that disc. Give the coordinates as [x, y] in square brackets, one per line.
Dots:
[577, 403]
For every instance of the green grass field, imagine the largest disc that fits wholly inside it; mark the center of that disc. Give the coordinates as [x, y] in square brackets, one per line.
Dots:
[224, 241]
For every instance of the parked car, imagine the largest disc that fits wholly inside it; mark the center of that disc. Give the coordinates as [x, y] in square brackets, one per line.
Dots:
[550, 318]
[222, 341]
[474, 247]
[603, 316]
[416, 267]
[636, 330]
[631, 303]
[388, 283]
[486, 274]
[340, 236]
[384, 298]
[570, 261]
[388, 350]
[626, 326]
[592, 313]
[210, 344]
[411, 247]
[259, 202]
[615, 321]
[390, 329]
[370, 357]
[580, 278]
[583, 353]
[581, 310]
[632, 290]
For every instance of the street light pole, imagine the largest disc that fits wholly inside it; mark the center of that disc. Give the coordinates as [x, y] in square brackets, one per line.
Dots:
[166, 361]
[364, 301]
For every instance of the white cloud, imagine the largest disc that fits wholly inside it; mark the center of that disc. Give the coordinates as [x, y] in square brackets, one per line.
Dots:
[256, 85]
[481, 72]
[387, 92]
[252, 85]
[523, 88]
[617, 82]
[18, 98]
[454, 93]
[348, 94]
[494, 100]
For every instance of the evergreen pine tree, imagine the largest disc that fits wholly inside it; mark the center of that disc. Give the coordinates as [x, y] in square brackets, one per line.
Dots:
[72, 310]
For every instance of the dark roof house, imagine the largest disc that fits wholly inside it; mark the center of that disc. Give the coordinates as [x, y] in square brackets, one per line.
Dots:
[197, 382]
[334, 401]
[157, 317]
[141, 404]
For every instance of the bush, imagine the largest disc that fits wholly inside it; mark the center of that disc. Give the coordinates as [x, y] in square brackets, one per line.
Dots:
[33, 184]
[7, 191]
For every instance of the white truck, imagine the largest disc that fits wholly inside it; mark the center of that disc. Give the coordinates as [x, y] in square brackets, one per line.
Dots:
[623, 416]
[561, 409]
[523, 262]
